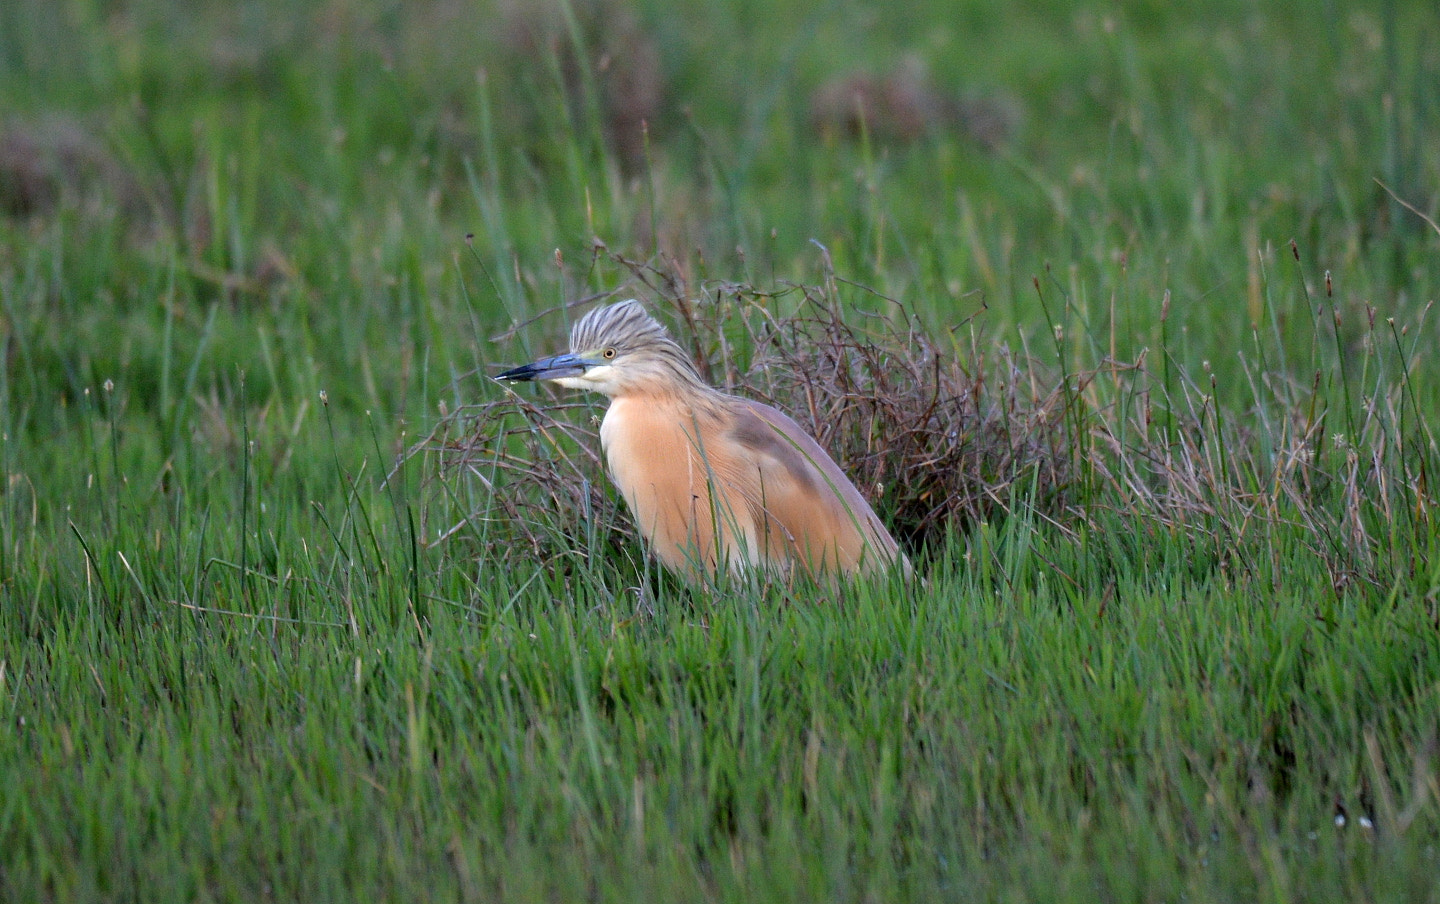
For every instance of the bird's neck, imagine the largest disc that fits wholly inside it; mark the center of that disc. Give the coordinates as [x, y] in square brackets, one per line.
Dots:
[684, 400]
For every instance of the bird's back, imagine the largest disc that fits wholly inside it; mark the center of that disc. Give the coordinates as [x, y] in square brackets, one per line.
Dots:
[826, 520]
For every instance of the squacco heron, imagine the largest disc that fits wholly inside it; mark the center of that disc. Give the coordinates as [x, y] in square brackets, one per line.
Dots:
[713, 481]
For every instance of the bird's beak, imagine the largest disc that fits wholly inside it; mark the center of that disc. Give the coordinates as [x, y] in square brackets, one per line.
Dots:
[548, 369]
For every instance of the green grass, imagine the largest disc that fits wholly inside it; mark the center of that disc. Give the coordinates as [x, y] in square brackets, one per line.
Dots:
[235, 665]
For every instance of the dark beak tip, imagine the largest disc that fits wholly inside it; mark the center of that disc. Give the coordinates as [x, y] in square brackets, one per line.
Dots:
[525, 373]
[513, 375]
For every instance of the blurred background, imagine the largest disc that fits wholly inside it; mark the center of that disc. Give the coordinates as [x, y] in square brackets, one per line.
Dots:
[899, 135]
[193, 190]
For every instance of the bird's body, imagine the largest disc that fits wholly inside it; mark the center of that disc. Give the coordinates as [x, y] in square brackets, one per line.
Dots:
[714, 481]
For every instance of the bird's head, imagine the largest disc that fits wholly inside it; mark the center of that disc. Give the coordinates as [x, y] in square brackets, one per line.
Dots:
[615, 350]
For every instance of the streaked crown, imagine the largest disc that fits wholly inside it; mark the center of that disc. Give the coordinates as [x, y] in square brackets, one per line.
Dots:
[624, 326]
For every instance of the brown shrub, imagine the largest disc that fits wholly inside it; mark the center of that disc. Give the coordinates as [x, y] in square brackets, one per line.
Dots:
[932, 445]
[940, 433]
[57, 159]
[905, 105]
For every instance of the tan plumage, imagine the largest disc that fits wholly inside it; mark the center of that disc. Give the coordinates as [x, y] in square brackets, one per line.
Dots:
[713, 480]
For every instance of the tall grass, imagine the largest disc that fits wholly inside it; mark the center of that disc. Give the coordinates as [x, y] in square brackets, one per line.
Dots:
[1179, 632]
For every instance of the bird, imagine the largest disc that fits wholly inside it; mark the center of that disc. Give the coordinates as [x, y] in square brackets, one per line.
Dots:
[716, 483]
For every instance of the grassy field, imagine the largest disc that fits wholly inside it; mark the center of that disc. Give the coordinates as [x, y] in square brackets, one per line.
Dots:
[253, 254]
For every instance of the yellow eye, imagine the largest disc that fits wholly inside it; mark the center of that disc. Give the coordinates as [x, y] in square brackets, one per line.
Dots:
[608, 353]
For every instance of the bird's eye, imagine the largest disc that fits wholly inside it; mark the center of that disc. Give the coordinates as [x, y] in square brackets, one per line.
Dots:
[608, 353]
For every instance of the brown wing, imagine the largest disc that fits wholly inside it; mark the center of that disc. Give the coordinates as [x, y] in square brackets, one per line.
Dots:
[806, 503]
